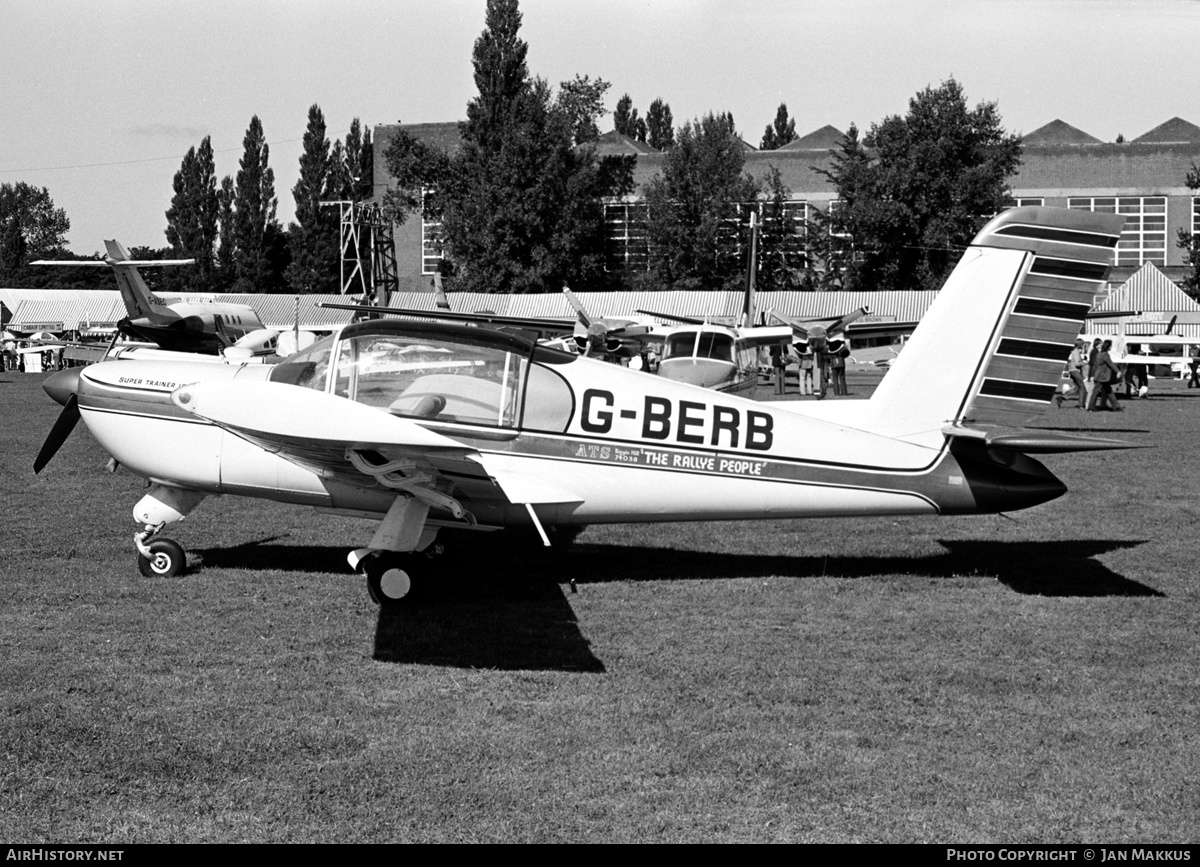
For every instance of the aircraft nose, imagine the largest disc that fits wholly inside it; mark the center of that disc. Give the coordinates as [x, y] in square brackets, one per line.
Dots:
[60, 386]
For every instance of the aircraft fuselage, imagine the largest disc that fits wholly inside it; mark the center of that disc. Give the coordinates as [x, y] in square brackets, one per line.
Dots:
[629, 446]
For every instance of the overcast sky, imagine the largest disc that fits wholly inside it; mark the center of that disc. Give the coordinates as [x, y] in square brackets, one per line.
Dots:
[101, 100]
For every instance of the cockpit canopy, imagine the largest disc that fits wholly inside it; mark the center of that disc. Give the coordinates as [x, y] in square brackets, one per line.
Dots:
[447, 373]
[699, 343]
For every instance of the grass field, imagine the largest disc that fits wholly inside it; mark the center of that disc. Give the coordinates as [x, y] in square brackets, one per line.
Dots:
[1029, 678]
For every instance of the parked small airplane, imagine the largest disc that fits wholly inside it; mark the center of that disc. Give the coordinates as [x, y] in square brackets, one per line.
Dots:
[233, 330]
[717, 352]
[429, 426]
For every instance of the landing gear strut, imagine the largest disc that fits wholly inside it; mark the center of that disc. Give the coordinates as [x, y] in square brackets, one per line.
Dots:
[162, 505]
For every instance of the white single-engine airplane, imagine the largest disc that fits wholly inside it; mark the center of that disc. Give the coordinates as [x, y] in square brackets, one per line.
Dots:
[233, 330]
[428, 426]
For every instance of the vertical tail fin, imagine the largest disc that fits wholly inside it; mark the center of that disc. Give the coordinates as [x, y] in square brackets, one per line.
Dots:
[992, 347]
[139, 302]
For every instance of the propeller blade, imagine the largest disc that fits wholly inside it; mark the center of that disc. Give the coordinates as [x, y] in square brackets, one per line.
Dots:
[840, 325]
[579, 308]
[63, 425]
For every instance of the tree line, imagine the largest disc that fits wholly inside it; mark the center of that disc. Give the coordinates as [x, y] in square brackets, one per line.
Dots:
[519, 203]
[230, 228]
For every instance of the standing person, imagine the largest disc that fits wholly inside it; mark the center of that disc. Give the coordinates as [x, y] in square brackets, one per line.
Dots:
[1194, 366]
[1104, 374]
[806, 373]
[821, 371]
[1136, 381]
[1091, 369]
[1076, 365]
[837, 367]
[779, 365]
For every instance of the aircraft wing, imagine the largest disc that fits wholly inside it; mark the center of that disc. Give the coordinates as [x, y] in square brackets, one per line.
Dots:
[530, 323]
[670, 317]
[764, 335]
[358, 444]
[880, 329]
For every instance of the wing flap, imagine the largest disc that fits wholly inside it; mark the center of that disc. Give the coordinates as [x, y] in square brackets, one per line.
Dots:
[519, 486]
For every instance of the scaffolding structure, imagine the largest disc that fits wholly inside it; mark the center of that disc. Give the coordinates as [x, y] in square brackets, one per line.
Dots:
[368, 252]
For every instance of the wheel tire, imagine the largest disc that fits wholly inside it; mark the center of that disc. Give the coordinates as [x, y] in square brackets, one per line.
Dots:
[391, 580]
[166, 560]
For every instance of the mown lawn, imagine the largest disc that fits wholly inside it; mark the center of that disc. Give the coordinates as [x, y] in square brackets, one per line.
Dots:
[1024, 678]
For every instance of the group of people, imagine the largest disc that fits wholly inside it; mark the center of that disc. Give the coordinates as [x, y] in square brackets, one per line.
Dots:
[819, 371]
[12, 360]
[1094, 374]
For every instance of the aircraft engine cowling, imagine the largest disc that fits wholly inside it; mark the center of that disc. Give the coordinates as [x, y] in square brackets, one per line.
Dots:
[196, 324]
[264, 341]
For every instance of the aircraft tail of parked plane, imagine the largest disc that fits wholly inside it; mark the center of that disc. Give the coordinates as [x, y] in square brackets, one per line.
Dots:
[991, 348]
[185, 326]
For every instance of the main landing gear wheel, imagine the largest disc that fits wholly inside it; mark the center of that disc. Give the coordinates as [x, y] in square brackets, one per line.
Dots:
[390, 580]
[166, 559]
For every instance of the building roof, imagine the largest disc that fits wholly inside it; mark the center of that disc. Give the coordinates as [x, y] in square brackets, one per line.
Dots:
[1174, 131]
[1151, 291]
[1058, 132]
[613, 143]
[825, 138]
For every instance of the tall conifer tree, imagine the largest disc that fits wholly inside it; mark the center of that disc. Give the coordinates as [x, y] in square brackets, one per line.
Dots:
[256, 229]
[192, 219]
[314, 238]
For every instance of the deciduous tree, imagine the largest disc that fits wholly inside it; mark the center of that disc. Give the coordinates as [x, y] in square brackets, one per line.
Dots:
[31, 227]
[699, 208]
[582, 100]
[519, 203]
[1189, 242]
[781, 132]
[919, 187]
[659, 126]
[626, 120]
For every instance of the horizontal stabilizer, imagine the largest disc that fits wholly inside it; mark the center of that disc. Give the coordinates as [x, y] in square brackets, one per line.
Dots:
[1040, 442]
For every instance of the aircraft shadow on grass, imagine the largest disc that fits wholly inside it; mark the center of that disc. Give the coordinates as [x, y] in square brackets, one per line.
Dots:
[511, 612]
[471, 615]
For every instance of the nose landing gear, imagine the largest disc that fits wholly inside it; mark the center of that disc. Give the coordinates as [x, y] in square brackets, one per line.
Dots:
[166, 560]
[159, 558]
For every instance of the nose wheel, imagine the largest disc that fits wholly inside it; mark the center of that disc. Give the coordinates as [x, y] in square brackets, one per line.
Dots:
[163, 558]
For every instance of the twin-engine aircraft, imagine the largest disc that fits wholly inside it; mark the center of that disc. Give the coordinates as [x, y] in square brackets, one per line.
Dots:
[428, 426]
[232, 330]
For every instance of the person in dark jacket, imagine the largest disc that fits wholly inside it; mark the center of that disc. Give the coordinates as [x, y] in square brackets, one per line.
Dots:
[1105, 374]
